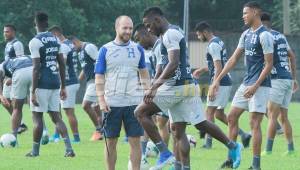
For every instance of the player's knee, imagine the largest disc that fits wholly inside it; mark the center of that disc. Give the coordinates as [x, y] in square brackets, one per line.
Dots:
[231, 119]
[254, 124]
[86, 106]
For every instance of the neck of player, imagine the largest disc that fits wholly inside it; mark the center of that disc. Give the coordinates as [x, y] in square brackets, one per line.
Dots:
[256, 24]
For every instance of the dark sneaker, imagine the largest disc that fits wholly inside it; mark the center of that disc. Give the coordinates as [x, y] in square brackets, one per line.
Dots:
[22, 128]
[70, 154]
[227, 164]
[246, 140]
[252, 168]
[31, 155]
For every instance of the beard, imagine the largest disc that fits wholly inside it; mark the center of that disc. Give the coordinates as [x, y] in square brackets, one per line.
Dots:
[125, 37]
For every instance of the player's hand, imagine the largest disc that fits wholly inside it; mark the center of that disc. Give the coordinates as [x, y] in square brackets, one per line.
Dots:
[295, 86]
[104, 106]
[212, 91]
[196, 74]
[34, 100]
[149, 95]
[4, 101]
[8, 82]
[250, 91]
[63, 94]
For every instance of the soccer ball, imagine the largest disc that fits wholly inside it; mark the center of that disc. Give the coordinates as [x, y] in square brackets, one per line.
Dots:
[8, 140]
[192, 140]
[151, 150]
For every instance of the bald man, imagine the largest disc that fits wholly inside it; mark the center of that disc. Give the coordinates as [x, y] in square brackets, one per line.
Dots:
[117, 87]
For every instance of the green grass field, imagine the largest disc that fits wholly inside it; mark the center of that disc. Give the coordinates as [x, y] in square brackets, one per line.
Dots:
[89, 155]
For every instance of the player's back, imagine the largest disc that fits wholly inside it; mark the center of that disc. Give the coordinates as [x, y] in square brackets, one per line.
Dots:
[173, 39]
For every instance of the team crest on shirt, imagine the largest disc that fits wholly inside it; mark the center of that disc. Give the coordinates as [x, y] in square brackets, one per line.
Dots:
[130, 52]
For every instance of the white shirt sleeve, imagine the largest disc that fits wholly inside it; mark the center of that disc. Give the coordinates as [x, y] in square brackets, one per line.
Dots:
[157, 54]
[267, 42]
[19, 48]
[242, 40]
[288, 47]
[171, 39]
[214, 49]
[34, 47]
[64, 49]
[92, 51]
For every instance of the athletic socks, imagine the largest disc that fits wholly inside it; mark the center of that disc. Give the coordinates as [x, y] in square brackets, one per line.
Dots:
[256, 162]
[291, 146]
[208, 142]
[98, 128]
[269, 146]
[68, 144]
[177, 165]
[76, 137]
[161, 146]
[231, 145]
[186, 167]
[36, 148]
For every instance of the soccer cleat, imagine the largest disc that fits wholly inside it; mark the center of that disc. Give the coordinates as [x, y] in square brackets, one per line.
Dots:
[289, 153]
[253, 168]
[70, 154]
[144, 163]
[227, 164]
[265, 153]
[45, 139]
[96, 136]
[22, 128]
[246, 140]
[31, 155]
[164, 159]
[236, 155]
[54, 138]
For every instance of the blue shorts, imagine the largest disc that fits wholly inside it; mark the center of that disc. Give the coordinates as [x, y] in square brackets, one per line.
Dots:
[119, 116]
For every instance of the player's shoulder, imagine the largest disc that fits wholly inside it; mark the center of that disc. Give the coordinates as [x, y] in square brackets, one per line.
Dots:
[173, 30]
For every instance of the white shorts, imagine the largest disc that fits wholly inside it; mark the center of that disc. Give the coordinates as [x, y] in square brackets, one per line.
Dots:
[257, 103]
[6, 91]
[48, 100]
[70, 101]
[90, 92]
[21, 83]
[183, 103]
[281, 92]
[222, 97]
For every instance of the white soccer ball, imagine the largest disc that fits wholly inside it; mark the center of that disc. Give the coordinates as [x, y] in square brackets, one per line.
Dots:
[192, 140]
[8, 140]
[151, 150]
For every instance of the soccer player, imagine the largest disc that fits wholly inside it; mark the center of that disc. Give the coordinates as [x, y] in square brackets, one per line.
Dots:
[14, 48]
[175, 91]
[152, 42]
[48, 83]
[72, 85]
[284, 83]
[20, 71]
[253, 93]
[216, 57]
[88, 53]
[117, 88]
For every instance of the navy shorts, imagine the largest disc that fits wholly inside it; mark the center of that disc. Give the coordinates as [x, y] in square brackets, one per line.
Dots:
[119, 116]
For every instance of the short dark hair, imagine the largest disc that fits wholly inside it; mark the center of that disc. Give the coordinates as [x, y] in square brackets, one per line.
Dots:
[11, 26]
[56, 28]
[265, 16]
[41, 18]
[139, 27]
[202, 26]
[253, 4]
[153, 11]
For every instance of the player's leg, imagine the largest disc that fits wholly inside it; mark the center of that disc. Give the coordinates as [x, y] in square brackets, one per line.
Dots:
[134, 131]
[6, 94]
[162, 122]
[98, 112]
[210, 116]
[177, 163]
[69, 107]
[16, 117]
[273, 112]
[255, 123]
[288, 132]
[37, 118]
[89, 99]
[182, 144]
[111, 130]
